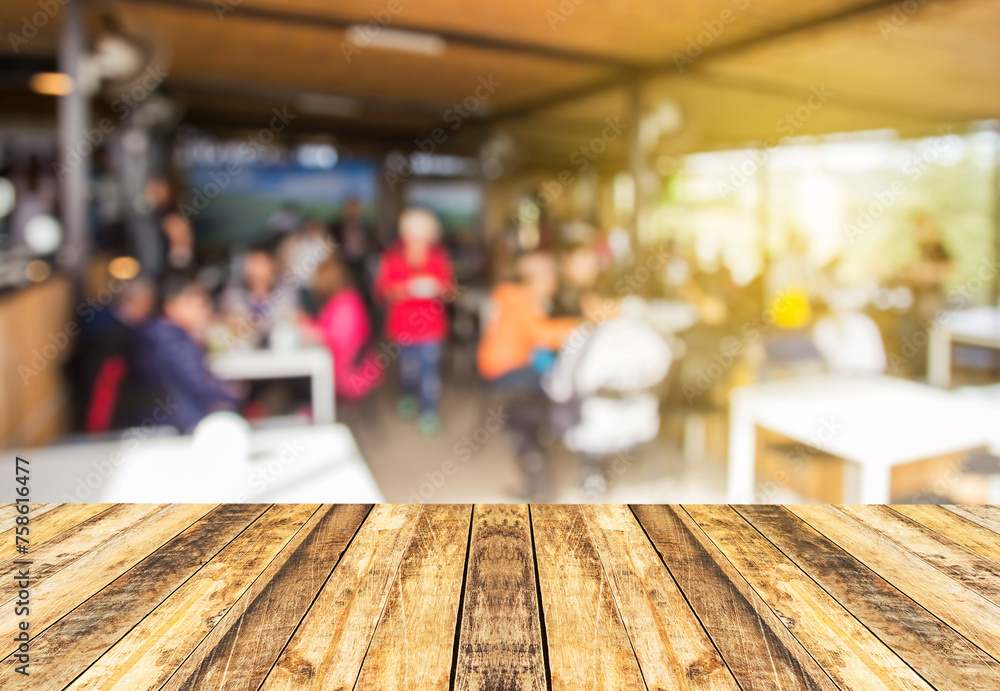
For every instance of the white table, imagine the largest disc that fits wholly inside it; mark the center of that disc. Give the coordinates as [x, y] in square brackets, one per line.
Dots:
[275, 363]
[310, 464]
[975, 327]
[875, 423]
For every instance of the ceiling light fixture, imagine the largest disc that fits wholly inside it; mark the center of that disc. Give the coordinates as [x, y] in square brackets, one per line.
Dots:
[396, 39]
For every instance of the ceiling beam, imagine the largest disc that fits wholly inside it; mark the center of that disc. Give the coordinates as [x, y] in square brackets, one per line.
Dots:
[632, 75]
[334, 23]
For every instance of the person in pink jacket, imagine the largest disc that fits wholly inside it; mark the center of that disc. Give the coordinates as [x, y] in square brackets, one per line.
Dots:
[342, 325]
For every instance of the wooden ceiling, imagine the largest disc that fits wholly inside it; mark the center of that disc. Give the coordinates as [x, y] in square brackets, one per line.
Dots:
[563, 65]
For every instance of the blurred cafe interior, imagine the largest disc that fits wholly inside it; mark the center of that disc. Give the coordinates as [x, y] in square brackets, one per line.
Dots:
[569, 250]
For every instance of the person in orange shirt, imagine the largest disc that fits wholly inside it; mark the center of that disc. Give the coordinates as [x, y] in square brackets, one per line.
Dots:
[518, 333]
[519, 326]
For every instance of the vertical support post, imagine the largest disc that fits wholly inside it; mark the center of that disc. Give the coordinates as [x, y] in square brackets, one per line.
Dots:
[635, 159]
[74, 149]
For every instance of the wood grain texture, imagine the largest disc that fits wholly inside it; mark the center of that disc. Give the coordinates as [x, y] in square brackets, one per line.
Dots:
[954, 527]
[72, 643]
[414, 643]
[94, 570]
[62, 550]
[672, 648]
[46, 521]
[588, 645]
[243, 646]
[933, 649]
[964, 610]
[852, 656]
[963, 565]
[329, 646]
[986, 516]
[147, 656]
[500, 642]
[755, 644]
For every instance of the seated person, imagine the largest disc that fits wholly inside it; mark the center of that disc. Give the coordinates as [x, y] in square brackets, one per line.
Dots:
[170, 354]
[579, 265]
[342, 325]
[251, 305]
[609, 370]
[107, 345]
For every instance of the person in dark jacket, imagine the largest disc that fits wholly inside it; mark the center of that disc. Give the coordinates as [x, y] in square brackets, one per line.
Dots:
[171, 355]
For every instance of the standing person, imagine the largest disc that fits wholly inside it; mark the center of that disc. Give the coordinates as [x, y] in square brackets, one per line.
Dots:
[356, 245]
[518, 340]
[413, 279]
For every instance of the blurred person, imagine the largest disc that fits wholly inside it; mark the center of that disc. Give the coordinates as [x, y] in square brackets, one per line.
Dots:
[251, 304]
[607, 376]
[414, 278]
[356, 244]
[35, 194]
[170, 355]
[174, 243]
[516, 347]
[301, 253]
[107, 344]
[579, 266]
[342, 325]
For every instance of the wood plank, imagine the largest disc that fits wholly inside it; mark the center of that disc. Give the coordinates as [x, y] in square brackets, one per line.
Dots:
[414, 643]
[8, 512]
[963, 565]
[756, 646]
[933, 649]
[986, 516]
[964, 610]
[47, 524]
[852, 656]
[59, 552]
[587, 642]
[670, 644]
[954, 527]
[71, 644]
[329, 646]
[242, 647]
[500, 643]
[73, 584]
[156, 647]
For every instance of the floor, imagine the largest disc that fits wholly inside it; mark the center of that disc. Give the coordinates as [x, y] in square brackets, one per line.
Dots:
[471, 461]
[293, 596]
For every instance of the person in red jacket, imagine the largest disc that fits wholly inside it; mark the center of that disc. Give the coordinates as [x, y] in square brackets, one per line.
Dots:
[414, 280]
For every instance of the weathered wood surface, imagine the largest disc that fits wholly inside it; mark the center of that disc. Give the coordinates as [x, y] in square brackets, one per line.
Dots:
[497, 597]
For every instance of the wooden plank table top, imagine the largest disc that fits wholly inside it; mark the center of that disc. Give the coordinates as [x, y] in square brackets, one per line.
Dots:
[310, 596]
